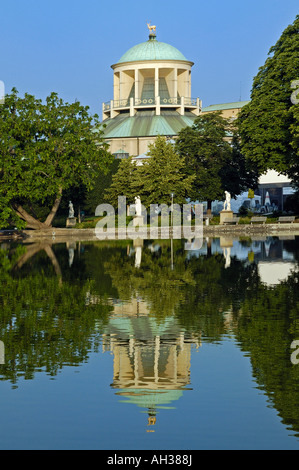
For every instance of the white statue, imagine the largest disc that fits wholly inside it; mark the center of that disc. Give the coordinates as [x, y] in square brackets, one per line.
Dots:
[138, 207]
[71, 211]
[227, 204]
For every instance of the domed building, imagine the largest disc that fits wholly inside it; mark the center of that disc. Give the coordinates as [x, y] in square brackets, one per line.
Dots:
[151, 97]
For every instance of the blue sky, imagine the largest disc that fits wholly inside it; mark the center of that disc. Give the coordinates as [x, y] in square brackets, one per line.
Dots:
[68, 46]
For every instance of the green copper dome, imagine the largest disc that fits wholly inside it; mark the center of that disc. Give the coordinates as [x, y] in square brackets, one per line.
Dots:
[146, 124]
[152, 50]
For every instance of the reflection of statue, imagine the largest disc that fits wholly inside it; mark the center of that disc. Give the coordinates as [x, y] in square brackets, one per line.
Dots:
[71, 211]
[71, 246]
[227, 205]
[193, 244]
[71, 256]
[138, 254]
[227, 256]
[138, 207]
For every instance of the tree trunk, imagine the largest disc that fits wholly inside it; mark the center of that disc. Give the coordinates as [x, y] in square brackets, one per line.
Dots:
[35, 223]
[50, 218]
[31, 221]
[35, 248]
[209, 208]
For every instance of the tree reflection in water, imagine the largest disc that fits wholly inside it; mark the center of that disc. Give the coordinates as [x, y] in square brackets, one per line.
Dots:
[150, 305]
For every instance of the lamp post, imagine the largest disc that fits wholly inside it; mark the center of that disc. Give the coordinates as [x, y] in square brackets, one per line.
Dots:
[172, 196]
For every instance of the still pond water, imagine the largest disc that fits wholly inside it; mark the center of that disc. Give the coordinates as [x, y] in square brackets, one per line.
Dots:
[122, 345]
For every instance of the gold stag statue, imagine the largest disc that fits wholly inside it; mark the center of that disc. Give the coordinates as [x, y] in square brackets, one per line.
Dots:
[152, 29]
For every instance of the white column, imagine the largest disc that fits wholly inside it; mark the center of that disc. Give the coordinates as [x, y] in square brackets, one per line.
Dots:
[187, 94]
[136, 368]
[175, 83]
[132, 112]
[131, 345]
[158, 106]
[136, 84]
[182, 107]
[156, 82]
[120, 85]
[116, 86]
[175, 360]
[156, 360]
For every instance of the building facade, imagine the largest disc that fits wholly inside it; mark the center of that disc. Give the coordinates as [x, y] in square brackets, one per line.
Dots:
[152, 96]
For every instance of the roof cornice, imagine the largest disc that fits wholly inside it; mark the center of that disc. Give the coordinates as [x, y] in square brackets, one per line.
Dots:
[147, 62]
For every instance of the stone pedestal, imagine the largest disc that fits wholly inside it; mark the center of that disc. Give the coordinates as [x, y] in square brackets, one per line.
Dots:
[138, 242]
[226, 242]
[226, 215]
[138, 221]
[71, 221]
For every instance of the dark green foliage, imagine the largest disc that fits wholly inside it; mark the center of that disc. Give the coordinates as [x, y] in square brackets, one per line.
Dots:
[217, 164]
[165, 173]
[97, 195]
[269, 123]
[155, 180]
[45, 149]
[122, 183]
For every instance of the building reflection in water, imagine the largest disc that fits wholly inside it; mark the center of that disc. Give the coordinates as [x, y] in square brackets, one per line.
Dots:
[152, 356]
[151, 365]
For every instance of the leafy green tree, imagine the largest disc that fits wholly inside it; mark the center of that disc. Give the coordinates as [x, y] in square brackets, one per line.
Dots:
[122, 183]
[239, 174]
[294, 128]
[217, 164]
[269, 123]
[97, 195]
[155, 180]
[45, 149]
[163, 174]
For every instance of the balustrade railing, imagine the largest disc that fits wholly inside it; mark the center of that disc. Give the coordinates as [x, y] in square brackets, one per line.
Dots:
[165, 101]
[107, 106]
[190, 102]
[121, 103]
[125, 103]
[145, 101]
